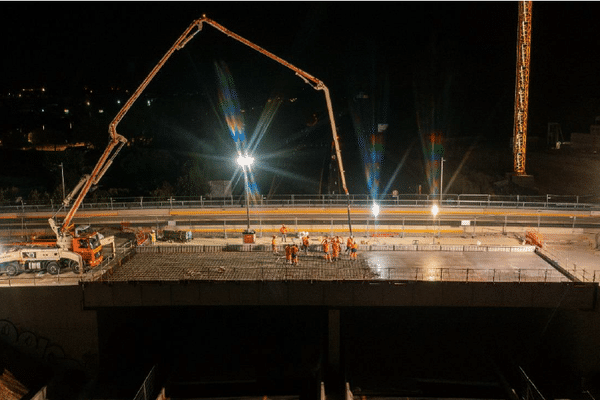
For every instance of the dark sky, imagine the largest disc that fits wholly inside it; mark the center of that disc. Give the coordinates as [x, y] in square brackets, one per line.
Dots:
[452, 59]
[470, 45]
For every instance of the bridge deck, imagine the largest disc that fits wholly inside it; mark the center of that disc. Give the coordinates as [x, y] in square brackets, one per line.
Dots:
[370, 266]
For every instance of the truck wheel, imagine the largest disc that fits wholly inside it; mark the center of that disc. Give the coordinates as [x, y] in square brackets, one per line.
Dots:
[52, 268]
[12, 269]
[75, 267]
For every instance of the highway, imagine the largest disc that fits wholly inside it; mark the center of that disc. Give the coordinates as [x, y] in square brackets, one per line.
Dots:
[391, 220]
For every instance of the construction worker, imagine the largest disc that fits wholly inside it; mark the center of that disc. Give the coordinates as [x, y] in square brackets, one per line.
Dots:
[349, 243]
[305, 244]
[274, 245]
[295, 251]
[283, 231]
[288, 254]
[335, 246]
[325, 244]
[153, 237]
[354, 254]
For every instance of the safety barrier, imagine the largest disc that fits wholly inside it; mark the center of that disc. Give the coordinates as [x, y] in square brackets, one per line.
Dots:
[317, 248]
[405, 247]
[576, 273]
[376, 247]
[36, 279]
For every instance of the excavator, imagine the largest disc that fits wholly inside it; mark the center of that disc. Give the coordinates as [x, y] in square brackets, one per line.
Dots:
[88, 246]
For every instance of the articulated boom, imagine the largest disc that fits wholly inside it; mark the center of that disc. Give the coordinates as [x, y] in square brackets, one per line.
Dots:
[185, 37]
[65, 236]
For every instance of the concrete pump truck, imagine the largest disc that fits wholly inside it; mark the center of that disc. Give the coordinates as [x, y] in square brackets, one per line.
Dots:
[71, 248]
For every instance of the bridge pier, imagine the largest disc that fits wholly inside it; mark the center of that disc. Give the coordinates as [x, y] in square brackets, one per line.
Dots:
[333, 375]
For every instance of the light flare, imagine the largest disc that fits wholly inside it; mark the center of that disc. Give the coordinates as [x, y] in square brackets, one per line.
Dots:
[370, 137]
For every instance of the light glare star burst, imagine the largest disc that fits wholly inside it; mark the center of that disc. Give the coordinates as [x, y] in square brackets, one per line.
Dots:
[231, 109]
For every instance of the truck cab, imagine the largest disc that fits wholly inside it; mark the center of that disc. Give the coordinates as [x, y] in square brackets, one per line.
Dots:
[89, 247]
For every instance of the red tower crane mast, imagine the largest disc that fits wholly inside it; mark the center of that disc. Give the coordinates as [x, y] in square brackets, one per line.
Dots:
[522, 87]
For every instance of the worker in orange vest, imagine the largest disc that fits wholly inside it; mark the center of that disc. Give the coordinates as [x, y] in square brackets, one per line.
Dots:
[305, 244]
[283, 231]
[325, 244]
[288, 254]
[335, 245]
[349, 243]
[295, 251]
[274, 244]
[354, 254]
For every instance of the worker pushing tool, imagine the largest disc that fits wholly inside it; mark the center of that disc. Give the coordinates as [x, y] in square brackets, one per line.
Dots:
[335, 246]
[354, 254]
[305, 243]
[349, 243]
[325, 244]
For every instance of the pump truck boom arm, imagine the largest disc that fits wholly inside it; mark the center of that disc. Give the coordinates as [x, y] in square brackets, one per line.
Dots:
[83, 187]
[187, 35]
[117, 141]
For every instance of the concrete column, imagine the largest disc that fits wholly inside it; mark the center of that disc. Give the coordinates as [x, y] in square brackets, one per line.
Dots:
[333, 371]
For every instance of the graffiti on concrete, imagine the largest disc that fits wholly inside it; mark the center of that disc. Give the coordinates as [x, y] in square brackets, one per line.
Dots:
[32, 345]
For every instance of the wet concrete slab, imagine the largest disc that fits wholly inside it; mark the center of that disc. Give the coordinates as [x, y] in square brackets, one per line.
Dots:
[370, 266]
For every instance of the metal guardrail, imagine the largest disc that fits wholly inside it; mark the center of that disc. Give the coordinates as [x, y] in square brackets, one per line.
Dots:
[36, 279]
[449, 200]
[149, 389]
[581, 274]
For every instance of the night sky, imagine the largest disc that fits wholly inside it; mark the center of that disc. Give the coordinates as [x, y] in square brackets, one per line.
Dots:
[454, 60]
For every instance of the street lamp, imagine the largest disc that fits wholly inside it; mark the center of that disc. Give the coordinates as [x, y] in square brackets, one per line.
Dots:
[442, 181]
[375, 209]
[246, 161]
[62, 172]
[434, 211]
[375, 212]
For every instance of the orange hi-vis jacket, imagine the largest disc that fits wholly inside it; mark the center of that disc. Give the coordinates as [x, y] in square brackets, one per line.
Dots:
[336, 246]
[288, 252]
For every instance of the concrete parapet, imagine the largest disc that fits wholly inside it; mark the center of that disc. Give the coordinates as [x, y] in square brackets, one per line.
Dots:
[452, 247]
[376, 247]
[317, 248]
[475, 248]
[429, 247]
[405, 247]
